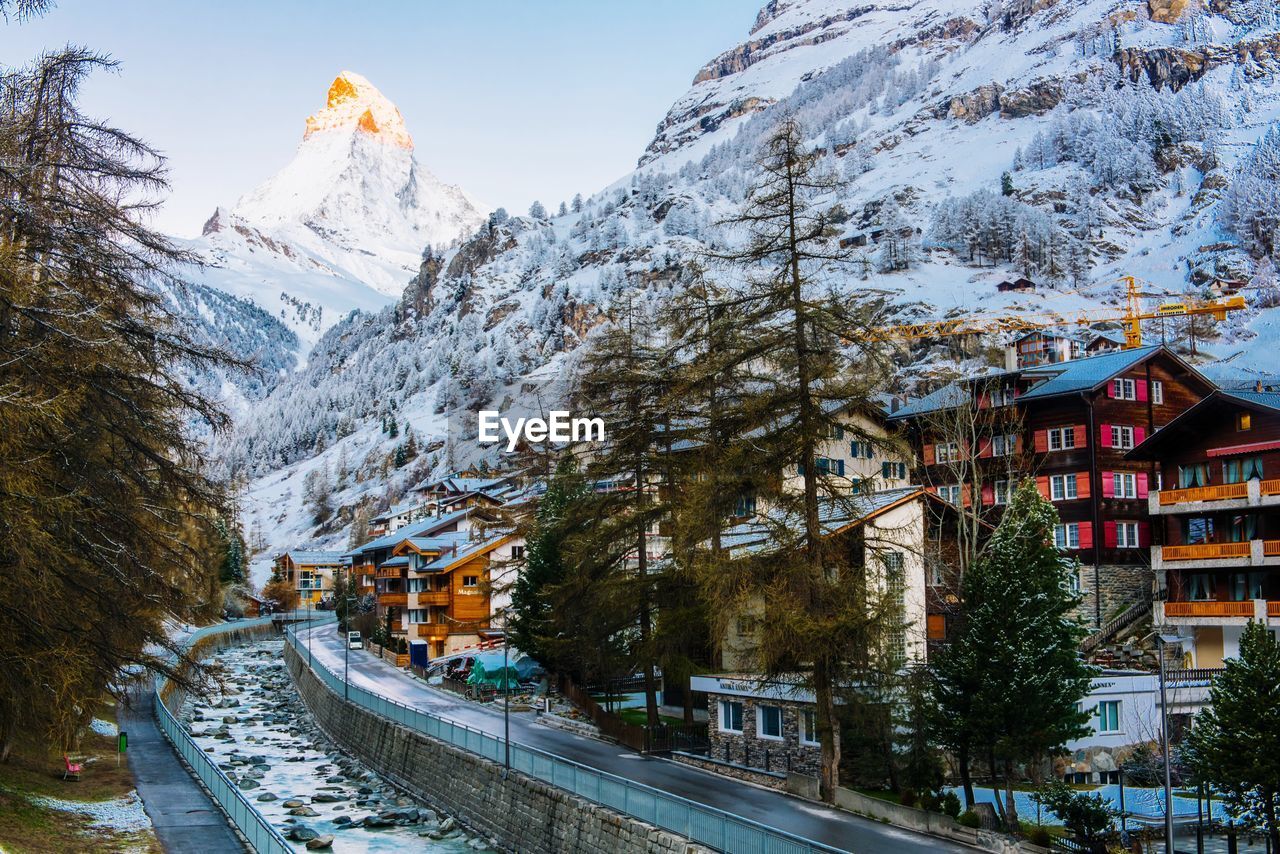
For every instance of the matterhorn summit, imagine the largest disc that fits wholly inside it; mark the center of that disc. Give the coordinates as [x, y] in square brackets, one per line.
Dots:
[342, 226]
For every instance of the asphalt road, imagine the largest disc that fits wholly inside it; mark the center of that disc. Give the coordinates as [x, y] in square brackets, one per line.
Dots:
[766, 806]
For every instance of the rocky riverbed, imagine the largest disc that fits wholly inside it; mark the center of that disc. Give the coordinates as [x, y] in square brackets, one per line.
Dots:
[262, 736]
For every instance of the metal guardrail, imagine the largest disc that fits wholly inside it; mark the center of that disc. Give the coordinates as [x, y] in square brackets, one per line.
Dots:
[255, 828]
[696, 822]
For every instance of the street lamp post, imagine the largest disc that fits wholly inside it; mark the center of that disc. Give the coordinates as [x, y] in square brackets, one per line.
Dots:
[1161, 640]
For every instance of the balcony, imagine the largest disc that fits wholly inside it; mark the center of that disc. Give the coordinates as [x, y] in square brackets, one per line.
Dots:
[435, 631]
[393, 600]
[1217, 613]
[429, 597]
[390, 571]
[1223, 496]
[1217, 555]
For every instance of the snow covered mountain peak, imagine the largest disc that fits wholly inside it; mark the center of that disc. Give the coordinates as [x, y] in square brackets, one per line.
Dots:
[355, 103]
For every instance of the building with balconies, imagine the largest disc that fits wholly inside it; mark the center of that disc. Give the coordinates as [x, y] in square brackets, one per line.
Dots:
[311, 573]
[1217, 512]
[1069, 425]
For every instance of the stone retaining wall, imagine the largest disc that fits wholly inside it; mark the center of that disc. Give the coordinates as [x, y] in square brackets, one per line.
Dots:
[773, 780]
[519, 813]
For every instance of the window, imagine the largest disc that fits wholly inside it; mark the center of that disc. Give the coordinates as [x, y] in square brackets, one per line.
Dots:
[1002, 396]
[862, 450]
[893, 563]
[808, 727]
[1199, 587]
[1062, 438]
[1244, 421]
[946, 452]
[1067, 536]
[1242, 469]
[935, 574]
[730, 716]
[1004, 445]
[826, 465]
[1062, 487]
[1197, 530]
[419, 585]
[417, 615]
[1002, 492]
[835, 431]
[1124, 389]
[1246, 585]
[1126, 535]
[892, 471]
[470, 581]
[896, 588]
[745, 505]
[517, 552]
[1109, 716]
[1124, 484]
[769, 722]
[1121, 437]
[1157, 392]
[950, 493]
[1193, 475]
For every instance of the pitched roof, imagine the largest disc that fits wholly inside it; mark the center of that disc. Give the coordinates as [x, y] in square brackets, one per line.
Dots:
[834, 515]
[1188, 424]
[1060, 378]
[420, 528]
[313, 557]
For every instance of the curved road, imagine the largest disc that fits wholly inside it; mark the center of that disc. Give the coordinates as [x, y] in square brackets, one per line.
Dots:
[766, 806]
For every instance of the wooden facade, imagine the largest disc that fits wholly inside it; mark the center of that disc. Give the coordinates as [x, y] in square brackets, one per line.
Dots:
[993, 432]
[1217, 506]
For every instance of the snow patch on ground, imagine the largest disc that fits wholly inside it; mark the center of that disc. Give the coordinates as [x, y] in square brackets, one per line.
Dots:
[102, 727]
[122, 815]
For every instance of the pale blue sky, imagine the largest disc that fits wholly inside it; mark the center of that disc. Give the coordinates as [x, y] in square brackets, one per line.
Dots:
[512, 100]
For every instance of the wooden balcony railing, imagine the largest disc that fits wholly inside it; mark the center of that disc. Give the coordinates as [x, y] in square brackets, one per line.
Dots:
[1271, 548]
[1209, 609]
[390, 571]
[1221, 492]
[1205, 551]
[432, 597]
[433, 630]
[1273, 609]
[1270, 487]
[393, 600]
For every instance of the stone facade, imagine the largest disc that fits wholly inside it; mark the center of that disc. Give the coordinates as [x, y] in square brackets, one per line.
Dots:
[750, 750]
[1118, 584]
[517, 811]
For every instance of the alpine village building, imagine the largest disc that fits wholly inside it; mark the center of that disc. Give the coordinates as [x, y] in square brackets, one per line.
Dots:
[1068, 424]
[311, 573]
[1216, 509]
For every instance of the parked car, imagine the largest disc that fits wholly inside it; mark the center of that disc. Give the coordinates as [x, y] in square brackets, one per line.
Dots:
[354, 641]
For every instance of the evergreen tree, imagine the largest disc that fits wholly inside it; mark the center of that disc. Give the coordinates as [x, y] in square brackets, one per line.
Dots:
[105, 502]
[1006, 184]
[1232, 745]
[798, 342]
[537, 211]
[563, 210]
[393, 429]
[1010, 681]
[577, 203]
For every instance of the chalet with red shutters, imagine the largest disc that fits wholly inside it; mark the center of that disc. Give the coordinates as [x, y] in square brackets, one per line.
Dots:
[1216, 554]
[1069, 425]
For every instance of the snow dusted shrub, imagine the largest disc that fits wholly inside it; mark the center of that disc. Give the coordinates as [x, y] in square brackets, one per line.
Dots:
[1251, 207]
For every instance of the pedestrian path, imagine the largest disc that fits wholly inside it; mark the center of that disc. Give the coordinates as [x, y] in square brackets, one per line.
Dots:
[185, 819]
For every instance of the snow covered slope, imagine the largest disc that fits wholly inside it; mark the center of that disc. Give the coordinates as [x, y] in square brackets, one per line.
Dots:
[1123, 127]
[342, 226]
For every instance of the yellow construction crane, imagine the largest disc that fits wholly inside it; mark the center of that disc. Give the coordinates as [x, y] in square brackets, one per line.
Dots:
[1131, 316]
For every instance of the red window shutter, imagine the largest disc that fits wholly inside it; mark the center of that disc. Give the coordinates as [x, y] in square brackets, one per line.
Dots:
[984, 447]
[966, 495]
[1017, 444]
[1082, 484]
[931, 489]
[1111, 389]
[1108, 485]
[1086, 535]
[1109, 534]
[1143, 488]
[1139, 435]
[1042, 486]
[983, 401]
[1082, 436]
[1042, 441]
[988, 494]
[928, 455]
[1104, 436]
[1144, 534]
[1141, 386]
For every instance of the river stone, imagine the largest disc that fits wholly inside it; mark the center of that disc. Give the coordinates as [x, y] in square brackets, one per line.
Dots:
[342, 819]
[249, 783]
[304, 812]
[292, 802]
[301, 833]
[267, 797]
[324, 798]
[320, 843]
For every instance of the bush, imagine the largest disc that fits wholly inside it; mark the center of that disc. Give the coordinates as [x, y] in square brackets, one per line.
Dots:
[969, 818]
[930, 801]
[951, 804]
[1040, 835]
[907, 798]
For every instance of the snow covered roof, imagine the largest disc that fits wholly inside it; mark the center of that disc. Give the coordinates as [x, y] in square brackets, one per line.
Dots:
[834, 515]
[313, 557]
[1059, 378]
[402, 560]
[1191, 424]
[419, 528]
[465, 549]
